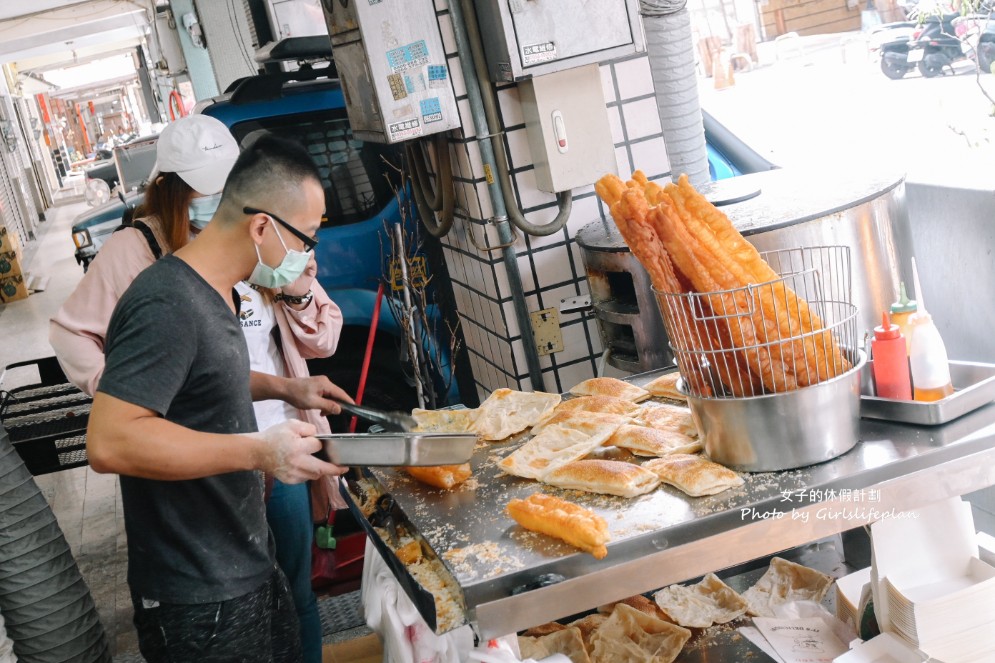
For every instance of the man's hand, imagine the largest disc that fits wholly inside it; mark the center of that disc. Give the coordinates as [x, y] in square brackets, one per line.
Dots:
[287, 453]
[300, 287]
[315, 393]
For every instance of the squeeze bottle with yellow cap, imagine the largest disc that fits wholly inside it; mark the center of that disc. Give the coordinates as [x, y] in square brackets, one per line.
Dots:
[901, 311]
[928, 356]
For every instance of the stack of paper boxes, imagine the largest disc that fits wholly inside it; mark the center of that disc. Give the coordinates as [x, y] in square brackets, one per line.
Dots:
[931, 588]
[13, 285]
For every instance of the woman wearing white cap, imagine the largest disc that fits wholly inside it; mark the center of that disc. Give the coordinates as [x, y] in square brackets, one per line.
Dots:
[193, 158]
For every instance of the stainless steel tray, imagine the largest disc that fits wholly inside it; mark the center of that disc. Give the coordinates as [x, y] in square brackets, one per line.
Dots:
[974, 386]
[392, 449]
[388, 517]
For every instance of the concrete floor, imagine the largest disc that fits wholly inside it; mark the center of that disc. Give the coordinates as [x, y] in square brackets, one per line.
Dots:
[24, 324]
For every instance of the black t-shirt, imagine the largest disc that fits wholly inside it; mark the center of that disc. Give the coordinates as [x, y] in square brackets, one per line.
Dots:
[173, 346]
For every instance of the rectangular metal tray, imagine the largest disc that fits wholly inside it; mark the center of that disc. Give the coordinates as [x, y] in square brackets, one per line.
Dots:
[422, 599]
[393, 449]
[974, 386]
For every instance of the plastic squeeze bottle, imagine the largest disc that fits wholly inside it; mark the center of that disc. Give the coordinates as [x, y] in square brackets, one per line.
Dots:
[901, 311]
[891, 363]
[928, 356]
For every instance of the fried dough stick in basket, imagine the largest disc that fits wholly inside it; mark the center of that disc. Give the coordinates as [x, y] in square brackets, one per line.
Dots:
[730, 273]
[709, 339]
[630, 214]
[761, 307]
[745, 323]
[816, 357]
[806, 357]
[701, 330]
[649, 251]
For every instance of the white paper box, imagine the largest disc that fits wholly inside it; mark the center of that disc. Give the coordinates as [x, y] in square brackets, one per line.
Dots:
[885, 648]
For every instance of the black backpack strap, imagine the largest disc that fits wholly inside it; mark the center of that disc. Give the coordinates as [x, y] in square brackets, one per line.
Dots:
[149, 237]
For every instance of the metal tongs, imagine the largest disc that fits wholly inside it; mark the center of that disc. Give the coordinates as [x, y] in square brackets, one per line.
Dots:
[400, 422]
[383, 517]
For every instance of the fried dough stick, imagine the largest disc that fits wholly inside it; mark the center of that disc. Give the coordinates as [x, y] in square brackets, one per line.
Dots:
[609, 188]
[630, 217]
[777, 301]
[654, 192]
[745, 330]
[818, 357]
[648, 249]
[641, 238]
[771, 322]
[639, 234]
[564, 520]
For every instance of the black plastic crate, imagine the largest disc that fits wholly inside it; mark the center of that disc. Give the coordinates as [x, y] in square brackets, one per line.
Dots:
[53, 454]
[47, 421]
[33, 393]
[17, 406]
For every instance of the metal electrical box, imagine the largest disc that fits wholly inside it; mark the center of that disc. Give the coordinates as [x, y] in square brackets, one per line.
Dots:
[295, 18]
[170, 50]
[567, 124]
[524, 38]
[393, 68]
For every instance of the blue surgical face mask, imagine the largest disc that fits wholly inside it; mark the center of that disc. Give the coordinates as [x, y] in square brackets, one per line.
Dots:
[202, 210]
[289, 270]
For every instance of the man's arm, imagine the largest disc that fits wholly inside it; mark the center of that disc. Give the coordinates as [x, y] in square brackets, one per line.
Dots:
[128, 439]
[310, 393]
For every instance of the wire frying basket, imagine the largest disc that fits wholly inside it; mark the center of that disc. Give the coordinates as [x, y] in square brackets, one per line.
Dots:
[795, 331]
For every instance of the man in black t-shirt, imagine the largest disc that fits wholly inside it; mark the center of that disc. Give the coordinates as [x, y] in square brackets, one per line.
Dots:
[173, 416]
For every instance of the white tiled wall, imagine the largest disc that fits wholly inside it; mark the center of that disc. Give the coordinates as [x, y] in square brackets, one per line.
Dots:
[551, 267]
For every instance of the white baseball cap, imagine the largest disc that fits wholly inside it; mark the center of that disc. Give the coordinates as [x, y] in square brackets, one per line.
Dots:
[199, 149]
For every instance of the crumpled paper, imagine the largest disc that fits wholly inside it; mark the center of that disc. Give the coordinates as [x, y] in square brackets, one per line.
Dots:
[799, 610]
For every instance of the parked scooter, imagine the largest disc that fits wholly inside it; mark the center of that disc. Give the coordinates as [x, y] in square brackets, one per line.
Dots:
[931, 48]
[937, 44]
[986, 48]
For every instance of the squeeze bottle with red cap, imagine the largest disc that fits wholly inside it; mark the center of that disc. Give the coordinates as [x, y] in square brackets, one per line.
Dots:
[891, 363]
[928, 356]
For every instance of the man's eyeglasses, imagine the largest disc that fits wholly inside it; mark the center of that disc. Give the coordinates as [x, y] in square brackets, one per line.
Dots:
[309, 242]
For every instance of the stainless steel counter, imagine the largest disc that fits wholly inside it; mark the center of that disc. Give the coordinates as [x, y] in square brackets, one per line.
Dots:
[667, 537]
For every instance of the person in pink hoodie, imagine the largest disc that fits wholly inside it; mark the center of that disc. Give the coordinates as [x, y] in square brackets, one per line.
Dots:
[193, 158]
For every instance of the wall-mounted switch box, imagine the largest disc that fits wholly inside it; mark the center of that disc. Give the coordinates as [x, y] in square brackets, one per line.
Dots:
[567, 124]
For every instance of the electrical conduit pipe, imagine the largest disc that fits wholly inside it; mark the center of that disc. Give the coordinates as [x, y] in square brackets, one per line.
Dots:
[490, 108]
[497, 196]
[671, 57]
[46, 605]
[441, 199]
